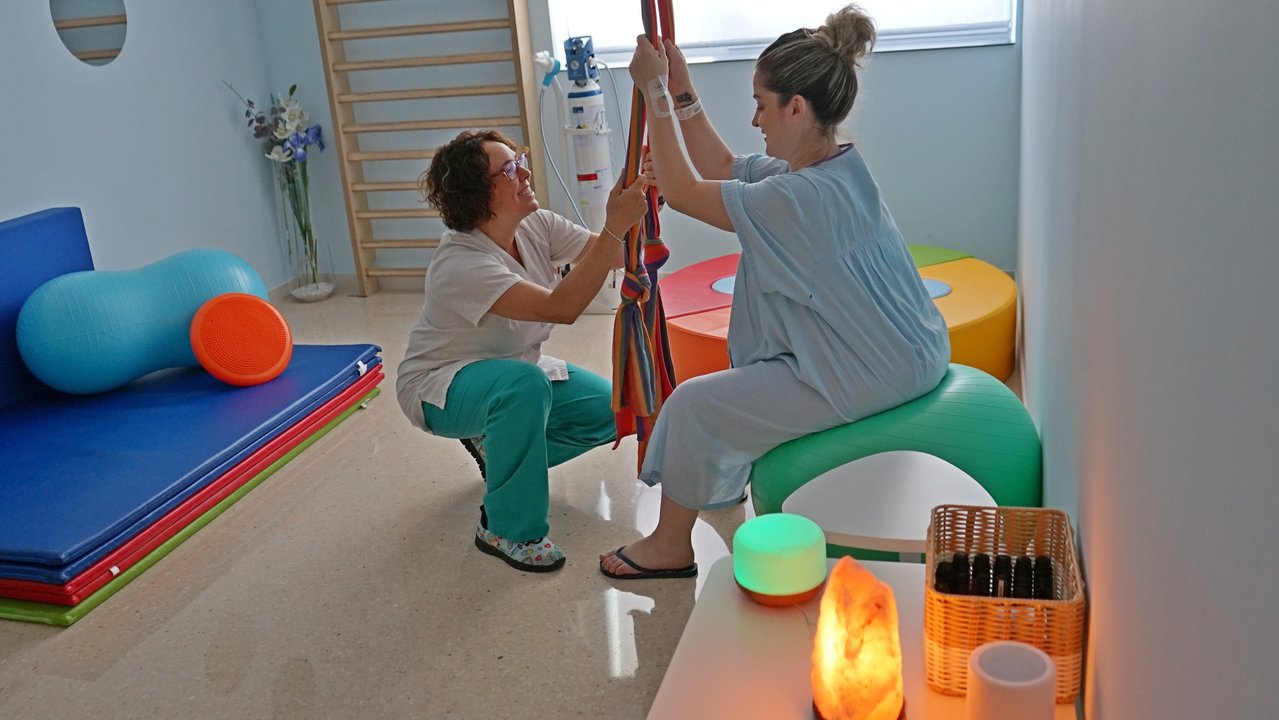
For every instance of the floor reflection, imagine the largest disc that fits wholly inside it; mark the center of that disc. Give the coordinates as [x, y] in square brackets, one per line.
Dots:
[619, 621]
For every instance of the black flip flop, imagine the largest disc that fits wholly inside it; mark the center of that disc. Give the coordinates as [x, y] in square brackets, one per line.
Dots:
[643, 573]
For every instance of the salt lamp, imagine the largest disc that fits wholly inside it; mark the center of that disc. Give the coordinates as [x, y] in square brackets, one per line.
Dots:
[779, 558]
[857, 656]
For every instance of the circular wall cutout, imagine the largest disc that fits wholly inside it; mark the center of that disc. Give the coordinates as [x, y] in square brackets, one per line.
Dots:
[92, 30]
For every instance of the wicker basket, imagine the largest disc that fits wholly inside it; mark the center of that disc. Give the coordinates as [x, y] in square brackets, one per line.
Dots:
[955, 625]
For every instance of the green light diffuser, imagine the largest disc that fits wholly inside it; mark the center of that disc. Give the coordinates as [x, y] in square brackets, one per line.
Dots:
[779, 554]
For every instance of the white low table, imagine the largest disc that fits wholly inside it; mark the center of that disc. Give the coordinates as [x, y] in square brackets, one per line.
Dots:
[884, 501]
[741, 660]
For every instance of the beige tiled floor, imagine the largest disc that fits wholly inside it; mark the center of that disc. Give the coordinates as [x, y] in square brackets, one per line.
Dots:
[346, 585]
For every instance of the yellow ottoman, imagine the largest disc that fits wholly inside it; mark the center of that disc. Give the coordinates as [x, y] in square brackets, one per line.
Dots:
[980, 311]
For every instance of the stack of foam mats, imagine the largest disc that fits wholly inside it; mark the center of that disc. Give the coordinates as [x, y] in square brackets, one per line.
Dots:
[96, 489]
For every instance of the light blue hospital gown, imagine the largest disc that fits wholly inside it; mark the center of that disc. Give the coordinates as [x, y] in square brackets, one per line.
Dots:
[830, 323]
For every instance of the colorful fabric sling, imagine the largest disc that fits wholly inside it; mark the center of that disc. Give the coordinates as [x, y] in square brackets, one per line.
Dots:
[642, 373]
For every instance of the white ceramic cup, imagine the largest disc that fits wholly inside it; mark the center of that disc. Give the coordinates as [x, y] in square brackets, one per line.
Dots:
[1010, 681]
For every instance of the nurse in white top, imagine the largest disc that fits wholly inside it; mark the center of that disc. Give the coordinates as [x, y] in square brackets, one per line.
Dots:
[830, 320]
[474, 369]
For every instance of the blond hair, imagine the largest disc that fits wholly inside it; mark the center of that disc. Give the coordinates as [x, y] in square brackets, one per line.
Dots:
[820, 64]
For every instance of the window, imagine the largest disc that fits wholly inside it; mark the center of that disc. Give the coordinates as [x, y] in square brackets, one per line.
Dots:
[711, 30]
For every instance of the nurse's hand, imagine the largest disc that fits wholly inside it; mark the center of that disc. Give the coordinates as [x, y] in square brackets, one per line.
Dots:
[626, 206]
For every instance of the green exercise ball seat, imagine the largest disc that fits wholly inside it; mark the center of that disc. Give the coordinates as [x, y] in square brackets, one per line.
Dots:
[970, 420]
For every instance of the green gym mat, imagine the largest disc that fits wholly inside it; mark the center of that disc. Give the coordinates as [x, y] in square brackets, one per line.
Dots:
[925, 255]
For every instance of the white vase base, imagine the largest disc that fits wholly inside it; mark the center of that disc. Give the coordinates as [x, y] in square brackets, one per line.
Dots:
[312, 292]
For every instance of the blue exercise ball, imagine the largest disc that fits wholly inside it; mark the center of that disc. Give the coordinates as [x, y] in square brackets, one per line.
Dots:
[93, 331]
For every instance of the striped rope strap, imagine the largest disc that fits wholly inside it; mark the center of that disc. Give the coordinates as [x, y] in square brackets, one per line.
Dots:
[642, 373]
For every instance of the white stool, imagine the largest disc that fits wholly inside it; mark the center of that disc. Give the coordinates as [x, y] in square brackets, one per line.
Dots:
[885, 501]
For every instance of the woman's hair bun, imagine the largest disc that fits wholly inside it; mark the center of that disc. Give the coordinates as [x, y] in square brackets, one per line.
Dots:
[848, 32]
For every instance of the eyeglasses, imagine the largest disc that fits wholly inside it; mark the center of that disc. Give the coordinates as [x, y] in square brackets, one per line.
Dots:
[511, 167]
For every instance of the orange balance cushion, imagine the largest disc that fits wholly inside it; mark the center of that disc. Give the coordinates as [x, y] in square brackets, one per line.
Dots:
[241, 339]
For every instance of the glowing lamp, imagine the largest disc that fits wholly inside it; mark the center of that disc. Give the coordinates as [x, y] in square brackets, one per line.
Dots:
[857, 656]
[779, 559]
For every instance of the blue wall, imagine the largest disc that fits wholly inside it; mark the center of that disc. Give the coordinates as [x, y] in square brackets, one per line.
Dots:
[291, 56]
[152, 145]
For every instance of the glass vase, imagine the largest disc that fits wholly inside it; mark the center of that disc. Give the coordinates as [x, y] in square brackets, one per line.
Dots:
[299, 232]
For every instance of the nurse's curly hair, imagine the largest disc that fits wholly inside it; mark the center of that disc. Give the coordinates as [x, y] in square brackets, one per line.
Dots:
[457, 182]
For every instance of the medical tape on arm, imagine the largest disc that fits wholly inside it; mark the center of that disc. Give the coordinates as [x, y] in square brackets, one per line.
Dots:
[658, 99]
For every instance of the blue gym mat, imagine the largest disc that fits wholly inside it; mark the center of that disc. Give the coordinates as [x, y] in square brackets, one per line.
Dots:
[80, 475]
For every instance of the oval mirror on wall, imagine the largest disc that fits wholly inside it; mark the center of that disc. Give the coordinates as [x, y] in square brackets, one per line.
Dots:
[93, 30]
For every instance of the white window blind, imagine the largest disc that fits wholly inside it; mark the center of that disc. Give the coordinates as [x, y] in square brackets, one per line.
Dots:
[711, 30]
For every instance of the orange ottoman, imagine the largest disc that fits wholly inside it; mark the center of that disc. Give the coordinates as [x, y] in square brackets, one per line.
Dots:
[698, 342]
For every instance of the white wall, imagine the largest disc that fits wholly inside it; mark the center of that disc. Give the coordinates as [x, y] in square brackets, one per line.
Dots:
[1149, 243]
[150, 146]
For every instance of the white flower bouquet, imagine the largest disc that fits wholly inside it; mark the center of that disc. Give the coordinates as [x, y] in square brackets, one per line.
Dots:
[288, 135]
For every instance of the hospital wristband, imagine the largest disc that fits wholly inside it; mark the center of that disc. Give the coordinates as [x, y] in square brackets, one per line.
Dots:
[690, 110]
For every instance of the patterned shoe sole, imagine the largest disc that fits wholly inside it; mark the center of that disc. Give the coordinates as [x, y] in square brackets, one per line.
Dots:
[475, 453]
